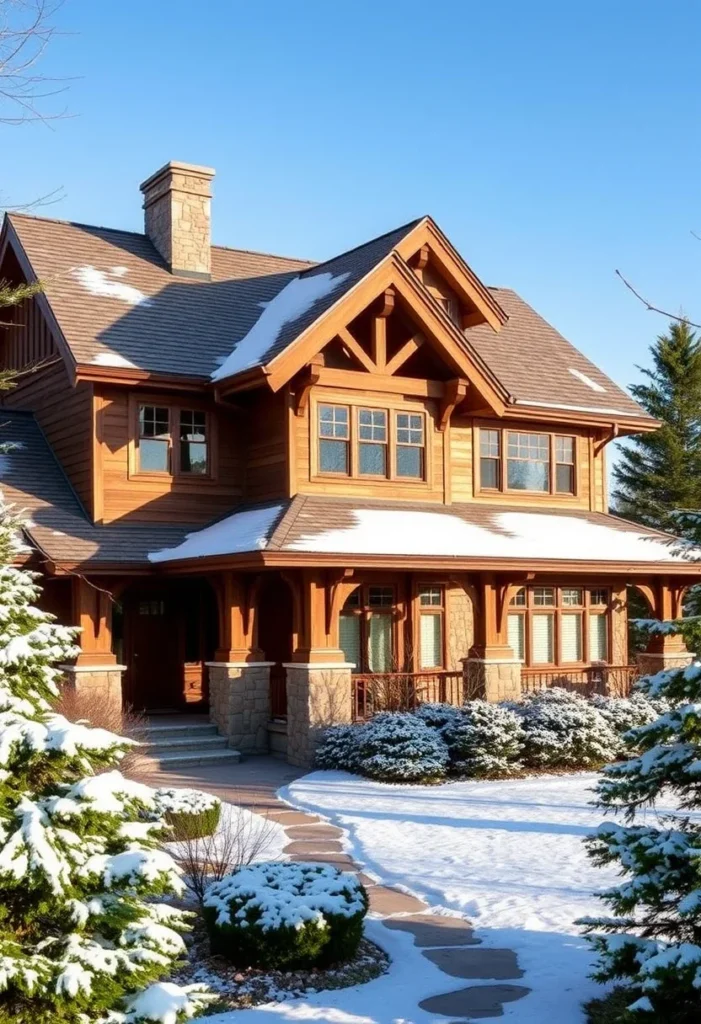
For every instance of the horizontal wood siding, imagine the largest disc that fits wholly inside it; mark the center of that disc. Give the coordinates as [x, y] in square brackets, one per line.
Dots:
[171, 499]
[266, 446]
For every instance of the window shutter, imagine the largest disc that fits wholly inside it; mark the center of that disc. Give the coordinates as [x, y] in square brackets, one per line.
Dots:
[515, 630]
[570, 637]
[431, 642]
[380, 643]
[543, 640]
[349, 639]
[598, 638]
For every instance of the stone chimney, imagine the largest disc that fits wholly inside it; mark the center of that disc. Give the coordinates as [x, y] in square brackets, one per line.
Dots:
[177, 216]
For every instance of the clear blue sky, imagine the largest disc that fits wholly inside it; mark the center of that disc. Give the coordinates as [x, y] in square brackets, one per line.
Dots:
[553, 142]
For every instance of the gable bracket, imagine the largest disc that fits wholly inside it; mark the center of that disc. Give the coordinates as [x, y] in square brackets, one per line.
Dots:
[609, 436]
[453, 393]
[306, 384]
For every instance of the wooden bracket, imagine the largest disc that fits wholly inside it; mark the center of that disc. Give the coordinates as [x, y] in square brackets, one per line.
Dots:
[610, 436]
[333, 590]
[420, 260]
[405, 352]
[307, 383]
[453, 393]
[386, 303]
[356, 350]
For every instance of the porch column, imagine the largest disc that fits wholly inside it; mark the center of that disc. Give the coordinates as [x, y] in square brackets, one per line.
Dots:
[95, 672]
[239, 678]
[665, 651]
[491, 671]
[319, 687]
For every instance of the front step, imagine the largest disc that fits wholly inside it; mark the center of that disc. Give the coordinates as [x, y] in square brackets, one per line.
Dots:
[184, 743]
[160, 733]
[197, 757]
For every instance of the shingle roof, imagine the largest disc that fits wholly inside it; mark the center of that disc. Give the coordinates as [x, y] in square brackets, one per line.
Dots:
[32, 480]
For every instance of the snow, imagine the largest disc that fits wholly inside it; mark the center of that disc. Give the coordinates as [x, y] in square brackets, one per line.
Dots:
[296, 298]
[242, 531]
[587, 380]
[184, 801]
[574, 408]
[109, 284]
[163, 1002]
[112, 359]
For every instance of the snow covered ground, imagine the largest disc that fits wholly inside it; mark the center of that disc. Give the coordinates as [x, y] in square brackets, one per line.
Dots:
[509, 855]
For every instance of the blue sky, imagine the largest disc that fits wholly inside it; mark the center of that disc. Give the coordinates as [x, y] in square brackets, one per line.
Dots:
[552, 142]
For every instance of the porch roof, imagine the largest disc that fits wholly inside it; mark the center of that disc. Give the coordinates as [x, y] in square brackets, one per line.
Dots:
[317, 527]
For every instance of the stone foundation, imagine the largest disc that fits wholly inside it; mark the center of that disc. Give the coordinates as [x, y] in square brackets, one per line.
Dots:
[97, 683]
[651, 662]
[239, 703]
[492, 680]
[317, 696]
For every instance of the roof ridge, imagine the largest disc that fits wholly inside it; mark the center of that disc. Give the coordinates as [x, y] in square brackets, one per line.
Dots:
[370, 241]
[286, 521]
[260, 252]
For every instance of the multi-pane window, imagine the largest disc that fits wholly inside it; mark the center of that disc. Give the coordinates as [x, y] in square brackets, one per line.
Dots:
[366, 633]
[154, 439]
[372, 442]
[540, 463]
[559, 625]
[193, 441]
[334, 439]
[411, 445]
[431, 627]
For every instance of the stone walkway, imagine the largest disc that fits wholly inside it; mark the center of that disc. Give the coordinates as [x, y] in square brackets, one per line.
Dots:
[448, 942]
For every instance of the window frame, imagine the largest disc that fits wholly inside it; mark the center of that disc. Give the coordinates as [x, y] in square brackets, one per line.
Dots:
[502, 461]
[557, 609]
[348, 441]
[364, 610]
[174, 471]
[435, 610]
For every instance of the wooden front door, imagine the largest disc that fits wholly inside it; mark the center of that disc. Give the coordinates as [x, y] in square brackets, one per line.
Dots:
[154, 669]
[275, 637]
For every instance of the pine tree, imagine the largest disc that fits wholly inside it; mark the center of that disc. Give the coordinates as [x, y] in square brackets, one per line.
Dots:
[653, 940]
[84, 933]
[660, 472]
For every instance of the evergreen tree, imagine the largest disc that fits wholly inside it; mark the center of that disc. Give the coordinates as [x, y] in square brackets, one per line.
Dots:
[660, 472]
[653, 940]
[84, 934]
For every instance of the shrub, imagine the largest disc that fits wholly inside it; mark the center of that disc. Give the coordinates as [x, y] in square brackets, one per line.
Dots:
[437, 716]
[484, 740]
[339, 748]
[399, 747]
[286, 915]
[563, 730]
[190, 813]
[624, 713]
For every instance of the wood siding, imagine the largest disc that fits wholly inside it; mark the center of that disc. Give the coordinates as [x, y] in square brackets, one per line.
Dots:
[27, 339]
[266, 467]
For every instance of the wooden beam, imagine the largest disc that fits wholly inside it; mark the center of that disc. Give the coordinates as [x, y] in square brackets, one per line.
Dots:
[92, 611]
[355, 349]
[454, 392]
[405, 352]
[357, 381]
[379, 342]
[473, 319]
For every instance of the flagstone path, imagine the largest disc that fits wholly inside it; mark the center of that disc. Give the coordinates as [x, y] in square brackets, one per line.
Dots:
[448, 942]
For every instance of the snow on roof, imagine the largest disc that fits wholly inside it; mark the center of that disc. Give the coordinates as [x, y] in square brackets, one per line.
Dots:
[296, 298]
[112, 359]
[587, 380]
[108, 284]
[242, 531]
[571, 408]
[515, 535]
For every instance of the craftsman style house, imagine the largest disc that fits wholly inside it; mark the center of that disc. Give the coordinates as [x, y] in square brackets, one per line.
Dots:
[295, 491]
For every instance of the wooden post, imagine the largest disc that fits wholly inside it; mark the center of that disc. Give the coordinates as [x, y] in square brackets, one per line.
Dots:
[491, 670]
[92, 611]
[238, 618]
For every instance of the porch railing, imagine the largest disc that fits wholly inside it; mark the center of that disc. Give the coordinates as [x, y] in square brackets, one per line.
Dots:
[403, 691]
[615, 680]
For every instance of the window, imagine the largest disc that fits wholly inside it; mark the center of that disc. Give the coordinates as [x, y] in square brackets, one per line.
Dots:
[450, 305]
[154, 439]
[334, 439]
[431, 627]
[539, 463]
[559, 625]
[193, 441]
[372, 442]
[366, 629]
[516, 629]
[542, 637]
[490, 459]
[599, 600]
[410, 445]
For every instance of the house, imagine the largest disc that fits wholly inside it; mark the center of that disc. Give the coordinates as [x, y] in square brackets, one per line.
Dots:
[285, 489]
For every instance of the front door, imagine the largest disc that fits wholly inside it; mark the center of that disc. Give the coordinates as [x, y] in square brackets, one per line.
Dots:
[154, 670]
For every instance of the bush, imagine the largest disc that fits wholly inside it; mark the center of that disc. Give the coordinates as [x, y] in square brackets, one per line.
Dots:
[484, 741]
[563, 730]
[339, 748]
[438, 716]
[624, 713]
[399, 747]
[190, 813]
[286, 915]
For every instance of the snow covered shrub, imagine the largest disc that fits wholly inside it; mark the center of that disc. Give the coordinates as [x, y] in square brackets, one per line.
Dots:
[484, 740]
[438, 715]
[339, 748]
[624, 713]
[190, 813]
[84, 935]
[286, 915]
[399, 747]
[652, 938]
[563, 730]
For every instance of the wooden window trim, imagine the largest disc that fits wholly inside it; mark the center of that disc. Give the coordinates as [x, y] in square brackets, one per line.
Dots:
[429, 609]
[388, 442]
[174, 409]
[503, 432]
[330, 473]
[363, 610]
[586, 609]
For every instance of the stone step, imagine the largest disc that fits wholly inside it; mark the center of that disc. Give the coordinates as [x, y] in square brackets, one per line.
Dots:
[157, 733]
[185, 746]
[197, 757]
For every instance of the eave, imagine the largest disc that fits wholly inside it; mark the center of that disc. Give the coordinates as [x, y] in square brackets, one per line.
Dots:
[138, 378]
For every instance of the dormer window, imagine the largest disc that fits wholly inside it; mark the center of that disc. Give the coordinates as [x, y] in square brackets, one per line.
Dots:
[154, 439]
[450, 305]
[171, 441]
[193, 441]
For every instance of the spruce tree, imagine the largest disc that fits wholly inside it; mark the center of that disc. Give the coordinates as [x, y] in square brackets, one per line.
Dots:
[660, 472]
[652, 941]
[84, 932]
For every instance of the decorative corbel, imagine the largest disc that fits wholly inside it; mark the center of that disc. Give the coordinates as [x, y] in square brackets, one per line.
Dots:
[611, 435]
[336, 594]
[420, 261]
[453, 393]
[307, 383]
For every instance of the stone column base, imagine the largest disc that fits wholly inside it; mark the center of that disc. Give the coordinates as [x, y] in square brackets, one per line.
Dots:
[492, 680]
[239, 703]
[101, 684]
[651, 662]
[318, 696]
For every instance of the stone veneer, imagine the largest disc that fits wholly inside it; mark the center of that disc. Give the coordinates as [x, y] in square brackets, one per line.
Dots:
[239, 703]
[95, 681]
[177, 216]
[651, 662]
[492, 680]
[460, 626]
[317, 696]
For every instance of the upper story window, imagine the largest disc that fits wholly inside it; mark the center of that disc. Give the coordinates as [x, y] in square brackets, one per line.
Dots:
[172, 440]
[534, 462]
[450, 305]
[363, 442]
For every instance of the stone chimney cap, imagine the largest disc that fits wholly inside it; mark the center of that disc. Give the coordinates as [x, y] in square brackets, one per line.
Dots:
[177, 165]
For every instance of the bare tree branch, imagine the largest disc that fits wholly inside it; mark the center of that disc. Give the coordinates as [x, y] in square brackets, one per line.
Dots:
[656, 309]
[25, 33]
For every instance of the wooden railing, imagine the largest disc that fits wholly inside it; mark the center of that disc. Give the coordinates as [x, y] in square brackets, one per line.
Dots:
[403, 691]
[615, 680]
